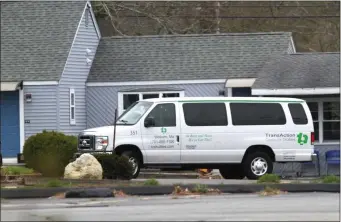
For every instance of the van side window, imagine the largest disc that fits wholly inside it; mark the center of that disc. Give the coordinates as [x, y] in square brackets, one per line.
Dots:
[205, 114]
[298, 114]
[164, 115]
[257, 114]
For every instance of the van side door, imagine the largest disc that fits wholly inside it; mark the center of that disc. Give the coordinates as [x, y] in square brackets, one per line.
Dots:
[160, 130]
[204, 137]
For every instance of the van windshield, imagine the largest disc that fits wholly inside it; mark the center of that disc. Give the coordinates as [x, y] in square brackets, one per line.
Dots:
[134, 113]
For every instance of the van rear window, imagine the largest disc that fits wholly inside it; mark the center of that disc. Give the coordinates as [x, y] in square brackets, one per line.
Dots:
[257, 114]
[205, 114]
[298, 114]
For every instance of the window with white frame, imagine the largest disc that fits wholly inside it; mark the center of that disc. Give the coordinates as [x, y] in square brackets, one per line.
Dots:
[72, 107]
[326, 117]
[125, 99]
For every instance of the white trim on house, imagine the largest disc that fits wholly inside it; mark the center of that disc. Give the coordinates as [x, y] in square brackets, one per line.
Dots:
[242, 82]
[121, 101]
[296, 91]
[293, 44]
[324, 99]
[72, 104]
[143, 83]
[8, 86]
[40, 83]
[94, 20]
[73, 41]
[319, 102]
[21, 120]
[320, 120]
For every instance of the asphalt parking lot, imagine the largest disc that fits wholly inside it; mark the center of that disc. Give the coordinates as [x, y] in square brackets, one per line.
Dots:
[229, 207]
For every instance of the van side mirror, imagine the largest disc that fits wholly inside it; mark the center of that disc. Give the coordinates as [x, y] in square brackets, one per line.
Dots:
[149, 121]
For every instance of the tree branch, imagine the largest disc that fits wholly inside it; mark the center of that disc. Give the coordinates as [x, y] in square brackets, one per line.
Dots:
[107, 10]
[146, 14]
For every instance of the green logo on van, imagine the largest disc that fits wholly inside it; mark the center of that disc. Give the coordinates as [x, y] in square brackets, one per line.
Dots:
[163, 130]
[302, 138]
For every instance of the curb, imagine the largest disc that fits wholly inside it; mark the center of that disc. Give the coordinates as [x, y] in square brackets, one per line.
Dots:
[86, 193]
[161, 190]
[163, 175]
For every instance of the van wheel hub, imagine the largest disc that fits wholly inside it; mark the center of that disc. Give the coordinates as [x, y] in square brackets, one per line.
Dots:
[259, 166]
[134, 163]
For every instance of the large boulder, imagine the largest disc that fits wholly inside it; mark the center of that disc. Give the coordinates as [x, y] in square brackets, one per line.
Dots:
[84, 167]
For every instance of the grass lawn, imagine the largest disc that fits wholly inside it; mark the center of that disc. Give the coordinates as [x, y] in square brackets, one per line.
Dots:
[16, 170]
[328, 179]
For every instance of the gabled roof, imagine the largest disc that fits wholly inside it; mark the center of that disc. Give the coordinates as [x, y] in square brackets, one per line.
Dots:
[185, 57]
[36, 37]
[301, 70]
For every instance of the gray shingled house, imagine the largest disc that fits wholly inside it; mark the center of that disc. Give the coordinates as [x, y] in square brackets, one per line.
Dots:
[46, 53]
[57, 73]
[314, 77]
[133, 68]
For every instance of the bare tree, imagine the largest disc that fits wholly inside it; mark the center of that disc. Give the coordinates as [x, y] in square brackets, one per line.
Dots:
[176, 17]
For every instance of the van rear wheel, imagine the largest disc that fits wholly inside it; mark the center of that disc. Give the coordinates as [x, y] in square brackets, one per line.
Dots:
[257, 164]
[232, 171]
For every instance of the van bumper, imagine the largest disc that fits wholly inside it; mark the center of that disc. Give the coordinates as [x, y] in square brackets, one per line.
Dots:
[313, 157]
[79, 153]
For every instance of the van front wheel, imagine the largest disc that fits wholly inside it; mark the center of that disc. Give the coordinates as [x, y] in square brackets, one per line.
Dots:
[135, 161]
[257, 164]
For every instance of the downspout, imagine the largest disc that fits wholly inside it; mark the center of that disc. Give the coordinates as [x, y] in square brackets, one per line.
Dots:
[58, 107]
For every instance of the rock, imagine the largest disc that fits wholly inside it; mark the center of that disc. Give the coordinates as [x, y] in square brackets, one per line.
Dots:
[84, 167]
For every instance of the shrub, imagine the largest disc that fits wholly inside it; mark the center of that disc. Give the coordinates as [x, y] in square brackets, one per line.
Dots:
[49, 152]
[269, 178]
[200, 188]
[331, 179]
[114, 166]
[151, 182]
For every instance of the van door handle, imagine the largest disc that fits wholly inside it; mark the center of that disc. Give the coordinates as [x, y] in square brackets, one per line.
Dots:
[177, 138]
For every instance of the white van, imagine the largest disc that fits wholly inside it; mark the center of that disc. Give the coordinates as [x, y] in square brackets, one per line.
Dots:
[240, 136]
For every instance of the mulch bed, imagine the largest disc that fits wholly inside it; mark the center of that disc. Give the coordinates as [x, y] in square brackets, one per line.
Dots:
[179, 191]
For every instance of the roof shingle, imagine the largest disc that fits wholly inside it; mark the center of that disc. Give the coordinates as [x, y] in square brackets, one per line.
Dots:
[301, 70]
[185, 57]
[36, 38]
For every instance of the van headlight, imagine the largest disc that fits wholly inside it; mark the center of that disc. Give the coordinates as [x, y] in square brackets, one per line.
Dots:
[101, 142]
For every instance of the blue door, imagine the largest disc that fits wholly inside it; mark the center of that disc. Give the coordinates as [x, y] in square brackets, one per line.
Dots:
[9, 121]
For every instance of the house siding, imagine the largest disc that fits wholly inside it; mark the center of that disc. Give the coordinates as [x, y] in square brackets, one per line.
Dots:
[75, 75]
[102, 101]
[41, 113]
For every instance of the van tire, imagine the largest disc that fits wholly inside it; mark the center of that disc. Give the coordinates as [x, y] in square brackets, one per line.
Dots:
[134, 157]
[254, 156]
[232, 171]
